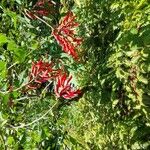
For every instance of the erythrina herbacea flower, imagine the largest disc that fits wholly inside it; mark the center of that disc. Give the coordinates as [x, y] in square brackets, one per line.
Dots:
[41, 8]
[65, 35]
[65, 89]
[41, 72]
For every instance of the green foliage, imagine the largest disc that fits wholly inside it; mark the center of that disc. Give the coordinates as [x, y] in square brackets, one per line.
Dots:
[114, 59]
[116, 56]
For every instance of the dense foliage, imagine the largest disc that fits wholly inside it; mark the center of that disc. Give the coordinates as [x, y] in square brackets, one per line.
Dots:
[75, 74]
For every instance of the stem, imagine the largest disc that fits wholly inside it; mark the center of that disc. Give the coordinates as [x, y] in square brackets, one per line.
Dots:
[23, 85]
[36, 120]
[45, 88]
[26, 12]
[26, 97]
[13, 65]
[44, 21]
[6, 92]
[3, 142]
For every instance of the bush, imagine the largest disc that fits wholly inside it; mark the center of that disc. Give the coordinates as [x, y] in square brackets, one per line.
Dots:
[110, 110]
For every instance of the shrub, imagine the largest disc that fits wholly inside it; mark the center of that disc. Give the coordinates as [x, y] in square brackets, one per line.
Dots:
[104, 47]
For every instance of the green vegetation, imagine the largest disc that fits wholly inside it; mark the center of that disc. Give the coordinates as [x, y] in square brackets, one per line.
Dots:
[112, 72]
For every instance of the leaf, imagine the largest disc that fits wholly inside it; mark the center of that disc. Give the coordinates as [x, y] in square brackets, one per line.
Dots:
[146, 99]
[20, 55]
[3, 38]
[143, 80]
[15, 94]
[18, 1]
[5, 98]
[78, 2]
[10, 140]
[67, 57]
[133, 130]
[2, 65]
[21, 76]
[114, 103]
[13, 16]
[12, 45]
[121, 74]
[2, 69]
[3, 123]
[134, 31]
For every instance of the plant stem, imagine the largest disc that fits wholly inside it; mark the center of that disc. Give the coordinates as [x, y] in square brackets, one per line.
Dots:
[36, 120]
[26, 12]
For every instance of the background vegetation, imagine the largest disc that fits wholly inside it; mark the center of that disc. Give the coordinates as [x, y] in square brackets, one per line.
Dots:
[114, 63]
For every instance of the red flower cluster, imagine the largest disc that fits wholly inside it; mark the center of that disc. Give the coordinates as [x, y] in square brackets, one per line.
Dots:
[65, 35]
[41, 8]
[64, 88]
[41, 72]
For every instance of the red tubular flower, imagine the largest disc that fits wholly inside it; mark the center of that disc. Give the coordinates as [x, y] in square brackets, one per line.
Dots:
[65, 35]
[64, 88]
[41, 72]
[41, 8]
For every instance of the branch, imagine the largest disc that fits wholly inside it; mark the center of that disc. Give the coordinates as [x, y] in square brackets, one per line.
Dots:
[26, 97]
[13, 65]
[26, 12]
[36, 120]
[6, 92]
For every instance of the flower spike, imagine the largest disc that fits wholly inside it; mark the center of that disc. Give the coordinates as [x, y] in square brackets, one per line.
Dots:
[64, 89]
[41, 72]
[65, 35]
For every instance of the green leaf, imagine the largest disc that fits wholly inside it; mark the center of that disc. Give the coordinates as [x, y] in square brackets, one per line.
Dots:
[114, 103]
[20, 55]
[5, 98]
[143, 80]
[78, 2]
[2, 65]
[3, 70]
[134, 31]
[12, 45]
[18, 1]
[21, 76]
[10, 140]
[121, 74]
[13, 16]
[3, 38]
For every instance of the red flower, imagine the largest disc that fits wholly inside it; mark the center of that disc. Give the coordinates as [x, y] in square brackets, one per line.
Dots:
[65, 35]
[41, 8]
[41, 72]
[41, 3]
[64, 88]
